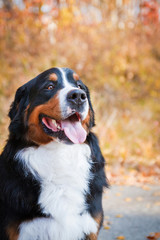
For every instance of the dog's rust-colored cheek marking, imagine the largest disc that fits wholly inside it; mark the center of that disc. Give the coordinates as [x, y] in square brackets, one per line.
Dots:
[75, 76]
[12, 232]
[53, 77]
[36, 135]
[98, 219]
[36, 132]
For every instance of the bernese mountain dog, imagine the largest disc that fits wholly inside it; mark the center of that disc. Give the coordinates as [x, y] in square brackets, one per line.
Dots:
[51, 169]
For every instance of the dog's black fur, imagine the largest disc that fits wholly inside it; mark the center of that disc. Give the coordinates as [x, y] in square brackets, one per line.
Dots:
[19, 192]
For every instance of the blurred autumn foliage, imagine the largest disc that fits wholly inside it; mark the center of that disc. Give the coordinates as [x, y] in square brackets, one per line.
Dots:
[115, 48]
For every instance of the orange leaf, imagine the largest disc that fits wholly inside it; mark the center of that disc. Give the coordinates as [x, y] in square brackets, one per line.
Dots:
[154, 235]
[118, 194]
[120, 237]
[128, 199]
[146, 188]
[119, 215]
[106, 227]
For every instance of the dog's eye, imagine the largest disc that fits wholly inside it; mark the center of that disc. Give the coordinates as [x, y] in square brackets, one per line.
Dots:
[50, 87]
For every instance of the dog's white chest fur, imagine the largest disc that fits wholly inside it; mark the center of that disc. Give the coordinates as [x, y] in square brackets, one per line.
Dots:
[63, 171]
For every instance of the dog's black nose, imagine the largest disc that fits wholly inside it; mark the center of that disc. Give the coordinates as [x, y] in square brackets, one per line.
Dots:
[76, 96]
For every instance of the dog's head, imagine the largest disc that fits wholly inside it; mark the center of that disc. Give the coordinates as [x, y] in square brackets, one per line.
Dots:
[54, 106]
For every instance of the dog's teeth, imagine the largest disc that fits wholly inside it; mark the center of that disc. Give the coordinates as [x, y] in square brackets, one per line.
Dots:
[54, 122]
[56, 125]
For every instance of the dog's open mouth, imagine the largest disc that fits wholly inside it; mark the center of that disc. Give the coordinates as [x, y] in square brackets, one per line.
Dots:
[71, 126]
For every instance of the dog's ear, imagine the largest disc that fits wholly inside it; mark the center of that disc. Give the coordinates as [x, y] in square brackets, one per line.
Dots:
[18, 103]
[16, 113]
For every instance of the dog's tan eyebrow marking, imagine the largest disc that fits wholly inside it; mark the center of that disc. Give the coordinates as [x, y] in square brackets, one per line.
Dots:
[75, 76]
[53, 77]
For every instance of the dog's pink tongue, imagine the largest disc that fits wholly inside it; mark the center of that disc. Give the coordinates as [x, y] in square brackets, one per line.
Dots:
[74, 131]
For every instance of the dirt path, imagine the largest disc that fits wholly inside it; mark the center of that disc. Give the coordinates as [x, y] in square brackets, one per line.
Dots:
[132, 212]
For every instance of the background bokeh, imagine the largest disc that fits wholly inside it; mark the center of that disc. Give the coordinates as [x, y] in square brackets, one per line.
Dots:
[115, 47]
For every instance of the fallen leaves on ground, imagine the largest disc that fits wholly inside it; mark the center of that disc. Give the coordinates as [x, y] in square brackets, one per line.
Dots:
[119, 215]
[139, 199]
[156, 194]
[146, 188]
[106, 227]
[154, 236]
[134, 177]
[120, 237]
[128, 199]
[157, 203]
[118, 194]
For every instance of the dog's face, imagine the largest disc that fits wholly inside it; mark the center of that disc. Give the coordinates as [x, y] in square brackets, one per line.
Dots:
[54, 106]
